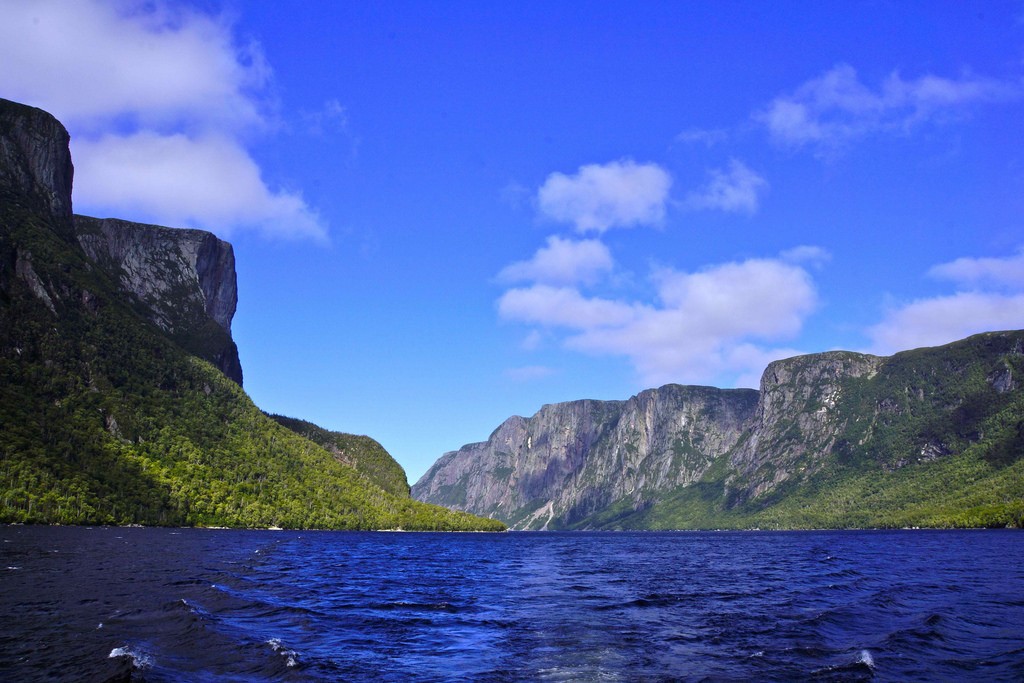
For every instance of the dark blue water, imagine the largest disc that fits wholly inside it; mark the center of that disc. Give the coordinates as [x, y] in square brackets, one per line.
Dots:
[208, 605]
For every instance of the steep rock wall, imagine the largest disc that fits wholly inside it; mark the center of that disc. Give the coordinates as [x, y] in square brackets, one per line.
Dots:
[35, 160]
[798, 420]
[573, 459]
[184, 279]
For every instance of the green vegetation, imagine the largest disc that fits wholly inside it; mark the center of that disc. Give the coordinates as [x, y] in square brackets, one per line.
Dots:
[960, 491]
[361, 452]
[106, 420]
[934, 439]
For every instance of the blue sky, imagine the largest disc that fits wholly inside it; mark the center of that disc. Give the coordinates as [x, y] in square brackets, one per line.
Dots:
[445, 214]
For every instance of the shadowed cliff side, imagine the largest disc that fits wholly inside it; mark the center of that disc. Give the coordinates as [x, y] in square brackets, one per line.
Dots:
[183, 281]
[110, 411]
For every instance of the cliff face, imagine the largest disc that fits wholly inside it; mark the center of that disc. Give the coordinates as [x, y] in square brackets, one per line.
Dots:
[183, 280]
[572, 460]
[106, 414]
[35, 162]
[931, 436]
[799, 418]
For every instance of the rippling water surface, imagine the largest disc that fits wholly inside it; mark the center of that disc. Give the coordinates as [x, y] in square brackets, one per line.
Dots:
[214, 605]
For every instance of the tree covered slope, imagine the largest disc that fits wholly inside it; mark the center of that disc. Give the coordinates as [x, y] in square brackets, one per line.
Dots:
[930, 437]
[106, 418]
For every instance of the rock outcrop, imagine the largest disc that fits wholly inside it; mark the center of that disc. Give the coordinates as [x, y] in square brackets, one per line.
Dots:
[35, 161]
[184, 280]
[819, 422]
[181, 280]
[799, 416]
[572, 460]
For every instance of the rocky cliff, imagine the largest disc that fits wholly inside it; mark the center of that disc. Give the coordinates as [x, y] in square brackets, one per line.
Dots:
[183, 280]
[799, 418]
[925, 437]
[107, 416]
[573, 460]
[35, 162]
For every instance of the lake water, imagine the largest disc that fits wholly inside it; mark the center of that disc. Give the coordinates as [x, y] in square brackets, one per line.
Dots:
[113, 604]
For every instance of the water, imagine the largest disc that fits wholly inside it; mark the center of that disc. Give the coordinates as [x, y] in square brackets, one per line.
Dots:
[109, 604]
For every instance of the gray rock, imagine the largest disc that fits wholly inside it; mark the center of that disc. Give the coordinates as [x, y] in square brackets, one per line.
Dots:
[574, 459]
[183, 280]
[35, 161]
[817, 419]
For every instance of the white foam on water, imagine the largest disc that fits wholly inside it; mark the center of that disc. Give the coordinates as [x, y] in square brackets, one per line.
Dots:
[276, 645]
[867, 659]
[140, 660]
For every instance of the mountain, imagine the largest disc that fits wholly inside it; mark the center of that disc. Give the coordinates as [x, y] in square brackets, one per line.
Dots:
[120, 387]
[183, 281]
[930, 437]
[360, 452]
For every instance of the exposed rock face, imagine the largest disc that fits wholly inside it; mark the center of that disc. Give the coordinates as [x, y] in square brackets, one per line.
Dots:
[574, 459]
[35, 161]
[798, 417]
[184, 279]
[826, 418]
[172, 270]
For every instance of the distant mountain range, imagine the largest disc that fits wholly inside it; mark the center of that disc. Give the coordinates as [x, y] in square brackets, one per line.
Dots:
[120, 384]
[930, 437]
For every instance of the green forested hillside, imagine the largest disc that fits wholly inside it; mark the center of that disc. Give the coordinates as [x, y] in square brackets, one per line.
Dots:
[935, 438]
[361, 452]
[105, 420]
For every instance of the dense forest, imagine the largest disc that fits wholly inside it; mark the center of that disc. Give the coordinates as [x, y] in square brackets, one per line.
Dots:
[105, 419]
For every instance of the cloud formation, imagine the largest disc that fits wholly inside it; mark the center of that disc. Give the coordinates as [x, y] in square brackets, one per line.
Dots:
[836, 108]
[736, 189]
[990, 297]
[619, 194]
[130, 79]
[179, 180]
[700, 325]
[562, 261]
[975, 272]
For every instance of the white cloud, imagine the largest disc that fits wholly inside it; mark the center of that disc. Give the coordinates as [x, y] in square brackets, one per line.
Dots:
[562, 261]
[1004, 272]
[736, 189]
[944, 319]
[562, 307]
[131, 78]
[703, 324]
[706, 137]
[619, 194]
[811, 255]
[332, 116]
[532, 341]
[835, 108]
[766, 296]
[209, 181]
[89, 61]
[991, 297]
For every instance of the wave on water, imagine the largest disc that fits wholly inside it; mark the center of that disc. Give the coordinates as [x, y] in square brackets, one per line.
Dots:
[511, 607]
[292, 657]
[139, 659]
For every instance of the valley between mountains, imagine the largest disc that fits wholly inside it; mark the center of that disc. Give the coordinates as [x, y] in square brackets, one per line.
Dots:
[121, 402]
